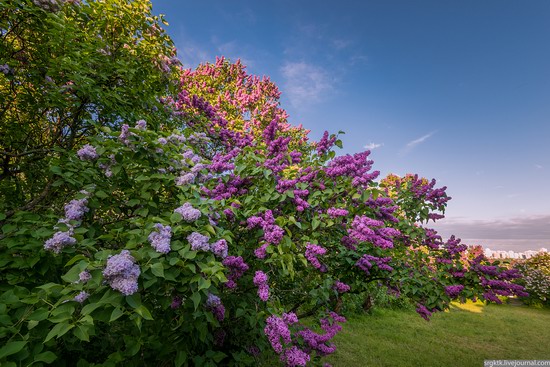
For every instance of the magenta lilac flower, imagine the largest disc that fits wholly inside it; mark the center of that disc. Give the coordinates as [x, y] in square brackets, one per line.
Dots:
[260, 280]
[87, 153]
[294, 356]
[311, 254]
[121, 273]
[366, 262]
[198, 242]
[261, 252]
[275, 330]
[423, 311]
[341, 287]
[59, 241]
[188, 213]
[160, 239]
[320, 343]
[336, 212]
[366, 229]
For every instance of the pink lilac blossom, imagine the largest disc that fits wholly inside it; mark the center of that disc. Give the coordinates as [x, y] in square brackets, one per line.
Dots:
[311, 254]
[81, 297]
[236, 267]
[198, 242]
[121, 273]
[188, 213]
[160, 240]
[260, 280]
[87, 153]
[59, 241]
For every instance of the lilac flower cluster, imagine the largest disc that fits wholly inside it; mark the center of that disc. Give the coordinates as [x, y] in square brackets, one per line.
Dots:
[453, 246]
[235, 186]
[141, 125]
[222, 162]
[341, 287]
[294, 356]
[349, 243]
[106, 167]
[312, 251]
[355, 167]
[422, 189]
[325, 143]
[125, 134]
[320, 343]
[261, 252]
[81, 297]
[84, 276]
[273, 234]
[337, 212]
[260, 280]
[185, 178]
[454, 290]
[366, 229]
[188, 213]
[214, 304]
[121, 273]
[236, 267]
[383, 207]
[198, 242]
[432, 239]
[75, 209]
[160, 240]
[87, 153]
[423, 312]
[277, 328]
[366, 262]
[176, 303]
[219, 248]
[59, 241]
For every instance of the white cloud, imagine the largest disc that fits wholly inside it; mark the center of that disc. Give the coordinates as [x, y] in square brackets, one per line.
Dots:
[538, 166]
[420, 140]
[371, 146]
[304, 83]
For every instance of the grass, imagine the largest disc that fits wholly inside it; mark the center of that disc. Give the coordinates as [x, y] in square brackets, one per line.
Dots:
[464, 336]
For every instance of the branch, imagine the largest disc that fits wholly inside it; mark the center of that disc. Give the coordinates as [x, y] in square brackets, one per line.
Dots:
[31, 204]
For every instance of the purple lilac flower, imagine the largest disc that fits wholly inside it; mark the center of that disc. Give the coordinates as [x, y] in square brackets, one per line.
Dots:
[162, 141]
[141, 125]
[214, 304]
[236, 267]
[76, 209]
[176, 302]
[59, 241]
[198, 242]
[341, 287]
[335, 212]
[325, 143]
[320, 343]
[260, 280]
[261, 252]
[219, 248]
[84, 276]
[423, 312]
[122, 273]
[124, 136]
[366, 262]
[81, 297]
[87, 153]
[188, 213]
[275, 330]
[355, 167]
[185, 179]
[160, 240]
[454, 290]
[366, 229]
[294, 356]
[312, 251]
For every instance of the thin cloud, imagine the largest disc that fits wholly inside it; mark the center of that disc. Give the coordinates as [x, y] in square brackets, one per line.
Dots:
[371, 146]
[538, 166]
[420, 140]
[304, 83]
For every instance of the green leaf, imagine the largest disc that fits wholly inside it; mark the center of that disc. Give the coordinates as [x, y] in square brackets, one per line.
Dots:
[158, 270]
[180, 358]
[196, 298]
[11, 348]
[204, 283]
[101, 194]
[58, 330]
[175, 218]
[144, 312]
[81, 333]
[46, 357]
[117, 312]
[315, 223]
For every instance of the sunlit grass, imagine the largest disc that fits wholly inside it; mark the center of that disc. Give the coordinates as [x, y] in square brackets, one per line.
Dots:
[464, 336]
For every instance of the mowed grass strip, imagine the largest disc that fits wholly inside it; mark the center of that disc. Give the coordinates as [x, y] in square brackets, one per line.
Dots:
[465, 336]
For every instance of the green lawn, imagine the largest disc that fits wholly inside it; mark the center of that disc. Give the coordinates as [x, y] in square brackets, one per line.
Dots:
[464, 336]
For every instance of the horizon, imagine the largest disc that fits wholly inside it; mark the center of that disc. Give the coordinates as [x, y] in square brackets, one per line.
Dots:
[455, 92]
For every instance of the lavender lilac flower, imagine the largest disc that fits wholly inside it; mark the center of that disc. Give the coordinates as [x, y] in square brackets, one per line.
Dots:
[59, 241]
[121, 273]
[87, 153]
[198, 242]
[160, 240]
[219, 248]
[188, 213]
[81, 297]
[84, 276]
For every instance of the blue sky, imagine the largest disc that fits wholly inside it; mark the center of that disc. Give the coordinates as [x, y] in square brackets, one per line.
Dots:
[453, 90]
